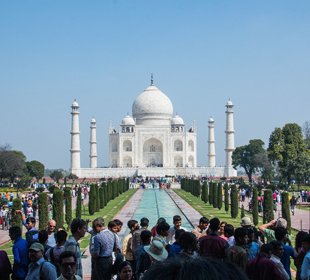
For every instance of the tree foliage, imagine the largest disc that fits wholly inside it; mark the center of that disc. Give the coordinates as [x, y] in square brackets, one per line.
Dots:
[226, 197]
[249, 157]
[43, 210]
[255, 206]
[12, 164]
[268, 214]
[219, 196]
[35, 169]
[58, 208]
[56, 175]
[286, 214]
[288, 151]
[78, 210]
[234, 202]
[68, 205]
[16, 218]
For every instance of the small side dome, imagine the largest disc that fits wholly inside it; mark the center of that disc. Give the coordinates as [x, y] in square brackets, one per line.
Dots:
[211, 120]
[93, 120]
[177, 120]
[128, 120]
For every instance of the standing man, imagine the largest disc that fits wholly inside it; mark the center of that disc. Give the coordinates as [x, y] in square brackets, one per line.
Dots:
[67, 262]
[51, 226]
[39, 268]
[20, 253]
[78, 229]
[136, 240]
[177, 222]
[213, 245]
[105, 243]
[201, 229]
[126, 248]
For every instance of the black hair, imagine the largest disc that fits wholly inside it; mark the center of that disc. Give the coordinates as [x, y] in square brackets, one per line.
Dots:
[122, 265]
[280, 233]
[229, 230]
[31, 220]
[15, 232]
[160, 220]
[275, 244]
[214, 224]
[266, 248]
[177, 218]
[76, 224]
[299, 238]
[203, 220]
[188, 242]
[66, 254]
[118, 222]
[162, 227]
[145, 236]
[239, 235]
[199, 268]
[144, 222]
[178, 233]
[61, 236]
[42, 236]
[131, 223]
[112, 224]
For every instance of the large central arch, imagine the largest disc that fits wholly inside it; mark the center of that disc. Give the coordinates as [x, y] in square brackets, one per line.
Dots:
[153, 153]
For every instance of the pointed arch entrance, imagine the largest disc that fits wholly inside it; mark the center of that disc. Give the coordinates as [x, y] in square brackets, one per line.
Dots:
[153, 153]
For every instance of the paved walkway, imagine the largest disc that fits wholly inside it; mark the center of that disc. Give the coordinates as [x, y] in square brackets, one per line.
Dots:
[300, 220]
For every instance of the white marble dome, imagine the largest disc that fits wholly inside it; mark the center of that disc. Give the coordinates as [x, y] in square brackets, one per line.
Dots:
[177, 120]
[75, 104]
[128, 120]
[152, 106]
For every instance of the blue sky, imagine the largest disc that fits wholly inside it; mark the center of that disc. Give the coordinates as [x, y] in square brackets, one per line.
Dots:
[103, 52]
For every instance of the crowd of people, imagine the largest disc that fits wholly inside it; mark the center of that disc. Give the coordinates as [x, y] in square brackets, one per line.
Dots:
[212, 250]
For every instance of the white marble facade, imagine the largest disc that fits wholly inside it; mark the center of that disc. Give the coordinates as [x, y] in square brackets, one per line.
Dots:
[151, 142]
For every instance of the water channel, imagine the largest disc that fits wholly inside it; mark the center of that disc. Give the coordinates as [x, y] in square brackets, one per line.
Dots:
[157, 203]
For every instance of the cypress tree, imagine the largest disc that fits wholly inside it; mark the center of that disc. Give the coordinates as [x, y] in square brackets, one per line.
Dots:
[78, 212]
[268, 206]
[97, 198]
[211, 193]
[101, 195]
[58, 208]
[226, 198]
[206, 191]
[43, 210]
[17, 218]
[203, 193]
[242, 211]
[92, 200]
[215, 195]
[220, 196]
[105, 193]
[286, 210]
[68, 205]
[255, 206]
[234, 202]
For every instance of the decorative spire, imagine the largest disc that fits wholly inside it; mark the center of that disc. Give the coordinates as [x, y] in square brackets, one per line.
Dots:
[152, 80]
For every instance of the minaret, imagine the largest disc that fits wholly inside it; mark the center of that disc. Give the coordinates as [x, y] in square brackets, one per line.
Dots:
[75, 137]
[93, 144]
[230, 138]
[211, 142]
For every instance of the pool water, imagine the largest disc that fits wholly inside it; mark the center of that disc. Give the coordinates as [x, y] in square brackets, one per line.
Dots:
[157, 203]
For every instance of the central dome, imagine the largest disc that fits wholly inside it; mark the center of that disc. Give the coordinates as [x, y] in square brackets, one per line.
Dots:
[152, 106]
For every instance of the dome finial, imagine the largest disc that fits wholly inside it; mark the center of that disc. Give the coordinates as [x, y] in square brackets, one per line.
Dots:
[152, 80]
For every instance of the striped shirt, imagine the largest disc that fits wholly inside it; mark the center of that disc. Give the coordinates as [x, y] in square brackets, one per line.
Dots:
[72, 245]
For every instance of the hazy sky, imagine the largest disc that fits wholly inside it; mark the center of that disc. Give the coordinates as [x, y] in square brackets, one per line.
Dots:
[257, 53]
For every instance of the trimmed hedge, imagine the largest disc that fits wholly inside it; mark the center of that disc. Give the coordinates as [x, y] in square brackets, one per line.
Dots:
[43, 210]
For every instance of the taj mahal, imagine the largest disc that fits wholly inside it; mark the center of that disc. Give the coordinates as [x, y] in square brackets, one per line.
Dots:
[152, 142]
